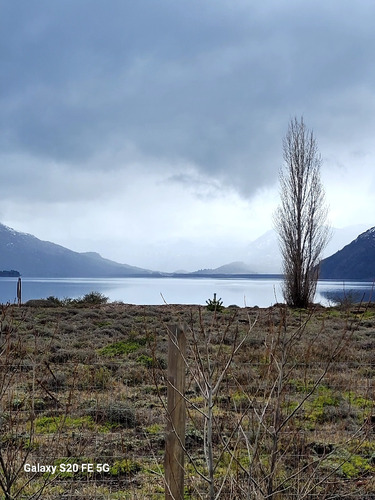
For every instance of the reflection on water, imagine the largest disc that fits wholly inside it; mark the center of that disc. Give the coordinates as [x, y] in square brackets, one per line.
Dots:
[262, 292]
[347, 293]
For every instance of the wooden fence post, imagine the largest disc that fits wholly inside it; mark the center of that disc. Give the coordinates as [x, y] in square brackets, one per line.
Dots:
[176, 417]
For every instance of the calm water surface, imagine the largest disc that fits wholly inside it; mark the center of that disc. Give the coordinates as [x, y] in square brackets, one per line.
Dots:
[262, 292]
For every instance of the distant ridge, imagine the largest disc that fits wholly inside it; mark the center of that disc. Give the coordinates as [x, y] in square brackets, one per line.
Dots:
[36, 258]
[355, 261]
[32, 257]
[231, 268]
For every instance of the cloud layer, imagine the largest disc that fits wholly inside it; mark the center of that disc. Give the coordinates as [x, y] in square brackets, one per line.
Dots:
[167, 117]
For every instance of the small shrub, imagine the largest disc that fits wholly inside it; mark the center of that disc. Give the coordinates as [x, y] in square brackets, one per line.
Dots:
[125, 467]
[154, 429]
[116, 413]
[301, 385]
[150, 362]
[39, 303]
[54, 300]
[214, 305]
[55, 382]
[121, 348]
[17, 403]
[355, 467]
[358, 400]
[94, 298]
[90, 377]
[39, 404]
[61, 356]
[320, 408]
[146, 361]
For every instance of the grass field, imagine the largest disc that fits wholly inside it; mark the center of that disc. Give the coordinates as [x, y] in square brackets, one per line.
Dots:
[83, 394]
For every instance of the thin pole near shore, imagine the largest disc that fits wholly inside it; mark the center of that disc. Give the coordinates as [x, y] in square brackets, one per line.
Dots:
[19, 292]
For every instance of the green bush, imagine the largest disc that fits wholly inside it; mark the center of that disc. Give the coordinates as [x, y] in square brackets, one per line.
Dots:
[146, 361]
[119, 348]
[125, 467]
[54, 300]
[355, 467]
[214, 305]
[150, 362]
[319, 408]
[94, 298]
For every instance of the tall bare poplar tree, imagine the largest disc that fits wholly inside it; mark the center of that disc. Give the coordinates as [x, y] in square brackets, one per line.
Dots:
[301, 216]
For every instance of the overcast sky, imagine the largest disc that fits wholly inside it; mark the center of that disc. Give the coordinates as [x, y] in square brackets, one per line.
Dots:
[151, 130]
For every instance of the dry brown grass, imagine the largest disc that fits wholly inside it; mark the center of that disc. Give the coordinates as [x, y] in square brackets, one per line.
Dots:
[89, 381]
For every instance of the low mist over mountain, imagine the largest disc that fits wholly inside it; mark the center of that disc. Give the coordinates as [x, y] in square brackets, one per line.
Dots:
[263, 254]
[355, 261]
[232, 268]
[33, 257]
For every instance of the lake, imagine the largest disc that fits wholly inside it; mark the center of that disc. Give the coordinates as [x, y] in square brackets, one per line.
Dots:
[262, 292]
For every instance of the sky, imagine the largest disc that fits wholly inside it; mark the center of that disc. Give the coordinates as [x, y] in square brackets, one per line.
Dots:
[151, 131]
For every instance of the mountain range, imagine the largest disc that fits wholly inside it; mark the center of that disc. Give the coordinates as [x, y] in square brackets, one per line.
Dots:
[36, 258]
[32, 257]
[262, 256]
[237, 267]
[355, 261]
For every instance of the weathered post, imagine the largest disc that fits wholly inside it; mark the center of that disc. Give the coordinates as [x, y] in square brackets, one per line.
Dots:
[176, 415]
[19, 292]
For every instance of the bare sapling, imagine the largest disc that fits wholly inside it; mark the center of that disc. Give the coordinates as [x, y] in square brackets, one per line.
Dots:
[211, 349]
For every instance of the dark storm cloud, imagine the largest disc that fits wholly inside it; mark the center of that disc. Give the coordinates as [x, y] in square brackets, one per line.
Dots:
[209, 83]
